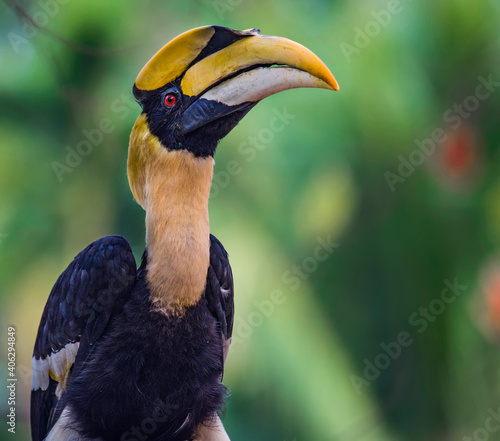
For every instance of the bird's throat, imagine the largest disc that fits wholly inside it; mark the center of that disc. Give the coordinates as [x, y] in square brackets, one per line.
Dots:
[173, 187]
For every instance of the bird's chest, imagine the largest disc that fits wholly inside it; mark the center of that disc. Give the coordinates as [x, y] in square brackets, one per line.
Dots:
[162, 352]
[149, 363]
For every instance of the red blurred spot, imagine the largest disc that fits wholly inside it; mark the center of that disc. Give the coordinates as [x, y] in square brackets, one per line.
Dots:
[492, 288]
[459, 151]
[486, 303]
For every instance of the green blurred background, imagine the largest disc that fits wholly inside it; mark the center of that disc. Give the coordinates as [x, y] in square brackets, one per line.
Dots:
[308, 361]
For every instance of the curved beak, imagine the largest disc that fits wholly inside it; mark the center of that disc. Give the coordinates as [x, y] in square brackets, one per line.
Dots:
[226, 71]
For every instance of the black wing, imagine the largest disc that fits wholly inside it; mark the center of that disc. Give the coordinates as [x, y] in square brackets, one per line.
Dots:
[220, 291]
[92, 288]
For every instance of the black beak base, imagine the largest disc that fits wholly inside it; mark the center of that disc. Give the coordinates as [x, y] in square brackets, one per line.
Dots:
[204, 112]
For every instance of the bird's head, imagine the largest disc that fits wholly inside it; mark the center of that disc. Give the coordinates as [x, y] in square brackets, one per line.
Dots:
[196, 89]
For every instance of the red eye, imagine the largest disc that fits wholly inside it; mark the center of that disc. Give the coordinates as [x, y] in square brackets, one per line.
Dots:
[170, 100]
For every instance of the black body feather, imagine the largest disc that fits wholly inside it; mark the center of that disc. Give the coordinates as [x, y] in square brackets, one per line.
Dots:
[137, 370]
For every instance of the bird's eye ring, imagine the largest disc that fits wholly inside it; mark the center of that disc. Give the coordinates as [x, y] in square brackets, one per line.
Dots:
[170, 100]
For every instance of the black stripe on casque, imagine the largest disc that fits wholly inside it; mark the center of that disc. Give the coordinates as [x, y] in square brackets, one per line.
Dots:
[222, 38]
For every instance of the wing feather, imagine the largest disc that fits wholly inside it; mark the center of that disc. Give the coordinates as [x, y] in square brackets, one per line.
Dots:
[220, 292]
[93, 287]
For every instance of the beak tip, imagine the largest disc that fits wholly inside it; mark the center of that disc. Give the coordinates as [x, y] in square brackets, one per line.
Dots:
[332, 84]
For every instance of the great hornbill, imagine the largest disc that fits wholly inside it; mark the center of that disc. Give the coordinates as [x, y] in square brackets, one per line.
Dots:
[134, 354]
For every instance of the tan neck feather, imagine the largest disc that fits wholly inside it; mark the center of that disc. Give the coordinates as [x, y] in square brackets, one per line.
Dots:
[173, 187]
